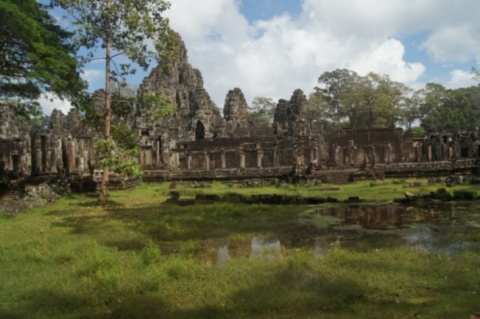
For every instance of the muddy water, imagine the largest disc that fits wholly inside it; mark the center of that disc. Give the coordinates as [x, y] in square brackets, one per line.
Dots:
[387, 217]
[441, 228]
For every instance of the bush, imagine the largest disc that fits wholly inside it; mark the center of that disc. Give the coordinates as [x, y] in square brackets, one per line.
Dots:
[464, 195]
[151, 254]
[442, 194]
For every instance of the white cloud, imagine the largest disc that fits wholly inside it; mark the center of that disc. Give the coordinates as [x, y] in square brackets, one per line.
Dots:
[388, 58]
[276, 56]
[95, 77]
[454, 43]
[49, 102]
[461, 78]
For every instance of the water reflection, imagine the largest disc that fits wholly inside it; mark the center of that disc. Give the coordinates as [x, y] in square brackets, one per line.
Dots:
[265, 247]
[384, 217]
[436, 228]
[222, 255]
[430, 239]
[322, 247]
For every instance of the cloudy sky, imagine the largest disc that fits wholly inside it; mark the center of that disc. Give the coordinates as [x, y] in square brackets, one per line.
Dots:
[272, 47]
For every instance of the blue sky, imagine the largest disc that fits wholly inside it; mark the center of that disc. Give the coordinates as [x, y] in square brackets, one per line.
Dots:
[272, 47]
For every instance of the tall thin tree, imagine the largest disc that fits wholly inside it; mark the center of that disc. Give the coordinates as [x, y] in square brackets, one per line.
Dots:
[135, 29]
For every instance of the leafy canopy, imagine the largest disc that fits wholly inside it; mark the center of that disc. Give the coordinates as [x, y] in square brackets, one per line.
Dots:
[260, 114]
[360, 102]
[36, 55]
[450, 109]
[134, 29]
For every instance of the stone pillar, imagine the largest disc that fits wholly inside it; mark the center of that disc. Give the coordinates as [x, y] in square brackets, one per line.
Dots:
[259, 158]
[38, 158]
[82, 165]
[48, 161]
[242, 159]
[275, 156]
[223, 160]
[429, 153]
[168, 161]
[373, 160]
[206, 159]
[389, 153]
[158, 159]
[71, 156]
[337, 154]
[189, 162]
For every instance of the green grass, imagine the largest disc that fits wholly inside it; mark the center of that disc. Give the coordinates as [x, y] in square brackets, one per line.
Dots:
[137, 257]
[380, 191]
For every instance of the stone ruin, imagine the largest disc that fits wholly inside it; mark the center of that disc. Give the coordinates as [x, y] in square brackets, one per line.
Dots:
[197, 142]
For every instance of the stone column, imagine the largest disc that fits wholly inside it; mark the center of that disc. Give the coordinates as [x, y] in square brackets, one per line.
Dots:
[189, 162]
[168, 161]
[70, 156]
[259, 158]
[223, 160]
[206, 159]
[389, 153]
[275, 156]
[337, 155]
[158, 160]
[242, 159]
[374, 157]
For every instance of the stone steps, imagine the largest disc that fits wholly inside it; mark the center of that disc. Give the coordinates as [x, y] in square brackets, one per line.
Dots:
[12, 194]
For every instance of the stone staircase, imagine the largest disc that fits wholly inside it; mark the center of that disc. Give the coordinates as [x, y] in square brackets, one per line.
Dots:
[8, 198]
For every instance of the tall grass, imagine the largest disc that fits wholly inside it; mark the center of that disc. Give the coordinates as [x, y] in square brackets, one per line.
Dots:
[138, 257]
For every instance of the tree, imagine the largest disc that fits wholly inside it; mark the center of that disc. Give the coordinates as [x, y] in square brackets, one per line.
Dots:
[410, 110]
[260, 114]
[319, 111]
[337, 91]
[447, 109]
[119, 28]
[361, 102]
[36, 56]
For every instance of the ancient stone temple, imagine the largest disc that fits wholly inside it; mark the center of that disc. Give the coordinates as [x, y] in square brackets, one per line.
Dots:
[199, 142]
[198, 139]
[196, 117]
[66, 147]
[14, 143]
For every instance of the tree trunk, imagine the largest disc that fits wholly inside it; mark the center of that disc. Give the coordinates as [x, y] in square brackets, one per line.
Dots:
[102, 197]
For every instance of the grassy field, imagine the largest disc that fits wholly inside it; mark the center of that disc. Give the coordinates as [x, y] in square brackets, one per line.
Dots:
[138, 257]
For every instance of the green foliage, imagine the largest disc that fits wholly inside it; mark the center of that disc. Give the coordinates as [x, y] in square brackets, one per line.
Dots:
[450, 109]
[361, 102]
[418, 131]
[125, 24]
[151, 254]
[155, 106]
[120, 160]
[36, 55]
[260, 113]
[464, 195]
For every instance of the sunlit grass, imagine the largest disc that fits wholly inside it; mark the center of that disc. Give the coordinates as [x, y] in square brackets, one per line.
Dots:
[138, 257]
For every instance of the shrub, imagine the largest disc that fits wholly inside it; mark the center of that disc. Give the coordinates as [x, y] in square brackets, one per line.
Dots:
[151, 254]
[464, 195]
